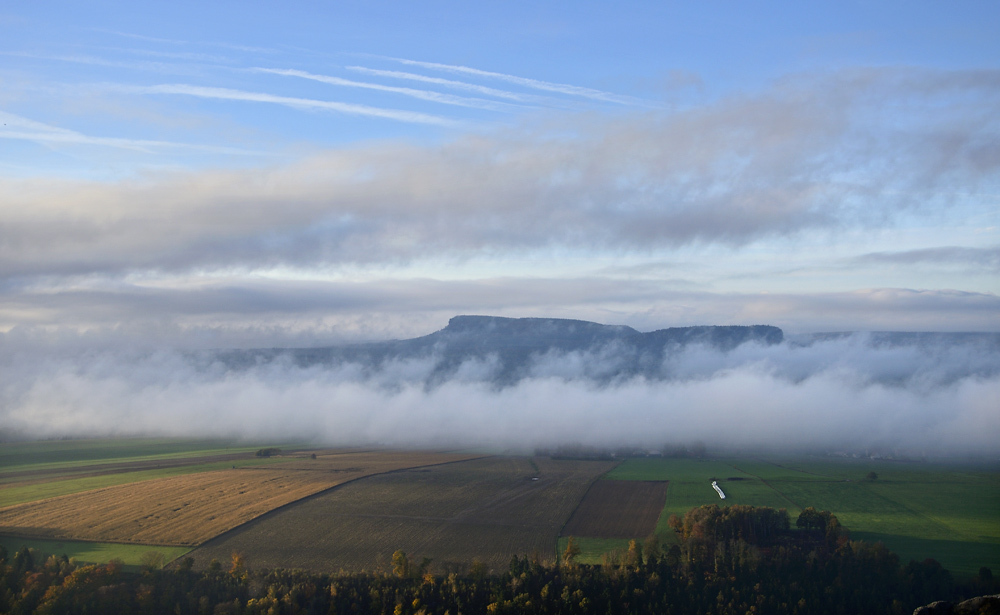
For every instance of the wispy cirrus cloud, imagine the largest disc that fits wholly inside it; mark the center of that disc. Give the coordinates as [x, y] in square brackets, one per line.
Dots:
[290, 101]
[21, 128]
[170, 68]
[547, 86]
[451, 83]
[173, 41]
[438, 97]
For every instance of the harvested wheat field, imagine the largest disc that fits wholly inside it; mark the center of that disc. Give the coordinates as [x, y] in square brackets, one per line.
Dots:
[618, 509]
[190, 509]
[490, 509]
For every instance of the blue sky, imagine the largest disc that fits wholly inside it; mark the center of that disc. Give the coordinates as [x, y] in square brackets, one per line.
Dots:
[255, 174]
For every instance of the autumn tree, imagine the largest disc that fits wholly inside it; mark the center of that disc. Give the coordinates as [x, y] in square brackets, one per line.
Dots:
[572, 552]
[400, 565]
[651, 547]
[633, 557]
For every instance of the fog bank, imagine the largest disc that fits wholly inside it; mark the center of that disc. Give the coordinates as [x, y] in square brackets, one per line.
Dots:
[844, 392]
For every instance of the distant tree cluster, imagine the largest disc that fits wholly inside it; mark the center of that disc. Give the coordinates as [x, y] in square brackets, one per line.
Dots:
[577, 451]
[268, 452]
[726, 561]
[696, 450]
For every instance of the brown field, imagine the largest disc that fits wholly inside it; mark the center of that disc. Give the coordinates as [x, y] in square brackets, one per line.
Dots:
[489, 509]
[618, 509]
[190, 509]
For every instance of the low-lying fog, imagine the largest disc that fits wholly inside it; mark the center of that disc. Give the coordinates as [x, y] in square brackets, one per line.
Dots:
[839, 393]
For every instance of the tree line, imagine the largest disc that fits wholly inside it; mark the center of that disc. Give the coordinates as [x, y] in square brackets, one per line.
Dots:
[736, 559]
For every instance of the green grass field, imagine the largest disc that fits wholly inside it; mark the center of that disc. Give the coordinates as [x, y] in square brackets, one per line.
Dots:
[91, 552]
[919, 510]
[18, 457]
[592, 549]
[950, 512]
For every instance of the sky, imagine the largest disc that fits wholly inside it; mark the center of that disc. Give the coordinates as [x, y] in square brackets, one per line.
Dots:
[243, 174]
[180, 176]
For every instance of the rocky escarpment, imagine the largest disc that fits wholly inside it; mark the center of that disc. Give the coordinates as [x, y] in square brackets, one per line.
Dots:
[512, 348]
[983, 605]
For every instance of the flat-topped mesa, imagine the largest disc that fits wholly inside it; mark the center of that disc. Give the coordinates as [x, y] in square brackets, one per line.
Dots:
[545, 329]
[536, 330]
[513, 345]
[721, 337]
[562, 334]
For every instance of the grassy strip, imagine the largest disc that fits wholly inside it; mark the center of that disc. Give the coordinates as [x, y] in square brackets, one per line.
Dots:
[592, 549]
[40, 491]
[92, 552]
[920, 510]
[76, 454]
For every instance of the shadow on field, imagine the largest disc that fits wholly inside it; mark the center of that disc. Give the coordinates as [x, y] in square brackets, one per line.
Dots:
[962, 558]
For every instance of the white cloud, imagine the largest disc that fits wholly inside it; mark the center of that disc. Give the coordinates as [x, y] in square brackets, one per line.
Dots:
[805, 156]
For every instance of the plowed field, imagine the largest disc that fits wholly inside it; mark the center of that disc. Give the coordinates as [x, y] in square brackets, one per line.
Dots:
[188, 510]
[488, 508]
[618, 509]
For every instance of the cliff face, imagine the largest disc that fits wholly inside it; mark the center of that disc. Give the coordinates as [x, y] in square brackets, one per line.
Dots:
[513, 347]
[983, 605]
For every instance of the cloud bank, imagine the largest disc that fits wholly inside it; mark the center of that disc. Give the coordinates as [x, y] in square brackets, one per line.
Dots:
[807, 154]
[933, 397]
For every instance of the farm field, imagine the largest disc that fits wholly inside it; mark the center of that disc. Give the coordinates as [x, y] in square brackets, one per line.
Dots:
[68, 456]
[38, 470]
[124, 498]
[618, 509]
[488, 509]
[83, 552]
[189, 509]
[919, 510]
[31, 490]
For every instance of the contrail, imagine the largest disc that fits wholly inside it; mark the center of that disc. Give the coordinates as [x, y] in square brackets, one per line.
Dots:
[547, 86]
[447, 99]
[299, 103]
[30, 130]
[459, 85]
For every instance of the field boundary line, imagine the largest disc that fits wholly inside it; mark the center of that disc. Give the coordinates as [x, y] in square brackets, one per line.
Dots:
[778, 465]
[769, 486]
[947, 528]
[580, 501]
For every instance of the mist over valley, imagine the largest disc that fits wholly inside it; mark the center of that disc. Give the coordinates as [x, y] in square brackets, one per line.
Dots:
[520, 384]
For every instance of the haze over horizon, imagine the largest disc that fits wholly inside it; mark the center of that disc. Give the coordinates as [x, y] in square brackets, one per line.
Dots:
[178, 177]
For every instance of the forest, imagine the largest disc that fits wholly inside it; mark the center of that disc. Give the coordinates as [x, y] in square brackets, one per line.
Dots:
[736, 559]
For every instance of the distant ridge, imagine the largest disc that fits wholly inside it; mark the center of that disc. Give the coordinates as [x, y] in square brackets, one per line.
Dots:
[512, 344]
